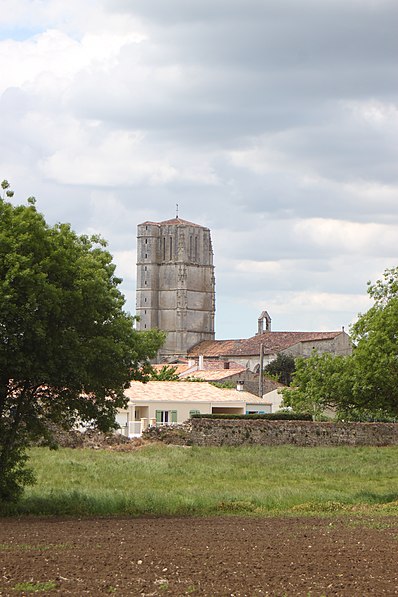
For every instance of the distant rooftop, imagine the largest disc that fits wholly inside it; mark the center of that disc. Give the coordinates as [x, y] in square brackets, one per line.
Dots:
[184, 391]
[272, 342]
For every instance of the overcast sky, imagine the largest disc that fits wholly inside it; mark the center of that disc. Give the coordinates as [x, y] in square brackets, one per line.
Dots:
[272, 122]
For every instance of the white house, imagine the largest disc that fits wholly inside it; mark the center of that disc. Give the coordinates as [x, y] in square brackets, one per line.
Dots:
[171, 402]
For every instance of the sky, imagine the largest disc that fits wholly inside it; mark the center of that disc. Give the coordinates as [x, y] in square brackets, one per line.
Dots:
[272, 122]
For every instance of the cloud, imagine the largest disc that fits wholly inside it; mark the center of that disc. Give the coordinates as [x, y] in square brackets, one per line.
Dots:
[273, 123]
[348, 237]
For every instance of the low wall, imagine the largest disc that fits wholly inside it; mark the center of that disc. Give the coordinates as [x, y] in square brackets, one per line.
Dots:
[230, 432]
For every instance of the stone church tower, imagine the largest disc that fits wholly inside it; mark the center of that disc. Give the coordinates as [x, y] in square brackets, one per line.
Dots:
[175, 283]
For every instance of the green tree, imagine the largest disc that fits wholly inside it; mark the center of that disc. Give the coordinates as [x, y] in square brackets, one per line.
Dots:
[365, 383]
[282, 368]
[319, 382]
[376, 354]
[67, 348]
[166, 373]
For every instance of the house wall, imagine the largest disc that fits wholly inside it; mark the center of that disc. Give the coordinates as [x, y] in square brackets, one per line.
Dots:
[183, 410]
[251, 362]
[265, 408]
[275, 400]
[251, 384]
[340, 345]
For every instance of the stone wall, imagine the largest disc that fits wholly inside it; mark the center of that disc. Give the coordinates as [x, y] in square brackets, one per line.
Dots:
[235, 432]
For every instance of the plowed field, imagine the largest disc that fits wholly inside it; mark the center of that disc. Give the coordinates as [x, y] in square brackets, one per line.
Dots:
[213, 556]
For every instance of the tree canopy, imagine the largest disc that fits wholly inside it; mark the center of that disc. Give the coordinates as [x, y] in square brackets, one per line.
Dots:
[366, 381]
[67, 348]
[166, 373]
[320, 382]
[376, 354]
[282, 368]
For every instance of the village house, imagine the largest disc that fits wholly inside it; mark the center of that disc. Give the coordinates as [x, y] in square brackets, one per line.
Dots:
[174, 402]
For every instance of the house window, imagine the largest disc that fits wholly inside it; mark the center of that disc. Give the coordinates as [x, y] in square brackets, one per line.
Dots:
[194, 412]
[164, 248]
[171, 248]
[196, 248]
[166, 417]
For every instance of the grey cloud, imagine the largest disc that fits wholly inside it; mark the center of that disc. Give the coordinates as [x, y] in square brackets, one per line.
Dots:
[247, 66]
[275, 32]
[224, 84]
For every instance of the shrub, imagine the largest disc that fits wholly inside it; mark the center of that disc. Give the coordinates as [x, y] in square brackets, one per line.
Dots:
[279, 416]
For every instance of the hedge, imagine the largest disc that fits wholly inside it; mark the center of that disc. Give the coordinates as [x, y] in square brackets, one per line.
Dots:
[268, 416]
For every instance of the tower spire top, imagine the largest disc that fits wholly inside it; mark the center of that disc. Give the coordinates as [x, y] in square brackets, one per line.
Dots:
[177, 211]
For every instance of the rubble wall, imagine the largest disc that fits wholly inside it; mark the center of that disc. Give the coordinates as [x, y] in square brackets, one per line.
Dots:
[237, 432]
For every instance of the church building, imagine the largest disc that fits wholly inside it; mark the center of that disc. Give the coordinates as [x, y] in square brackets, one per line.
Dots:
[176, 294]
[175, 283]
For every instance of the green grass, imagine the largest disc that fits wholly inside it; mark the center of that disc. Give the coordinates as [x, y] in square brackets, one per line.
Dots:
[255, 480]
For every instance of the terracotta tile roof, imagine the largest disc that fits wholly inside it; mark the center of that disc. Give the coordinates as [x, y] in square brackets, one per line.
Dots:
[273, 342]
[179, 367]
[172, 222]
[184, 391]
[215, 374]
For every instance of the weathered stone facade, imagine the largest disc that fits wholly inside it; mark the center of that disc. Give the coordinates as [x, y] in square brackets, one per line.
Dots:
[237, 432]
[175, 283]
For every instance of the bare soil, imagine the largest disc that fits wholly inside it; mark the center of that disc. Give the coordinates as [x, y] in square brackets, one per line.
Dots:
[282, 557]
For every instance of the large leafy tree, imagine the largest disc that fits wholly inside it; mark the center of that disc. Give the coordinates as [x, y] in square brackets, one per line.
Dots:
[67, 348]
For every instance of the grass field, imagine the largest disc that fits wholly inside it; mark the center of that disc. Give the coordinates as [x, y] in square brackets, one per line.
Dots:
[163, 480]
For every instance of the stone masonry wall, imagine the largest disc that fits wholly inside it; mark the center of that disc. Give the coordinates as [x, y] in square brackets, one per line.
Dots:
[236, 432]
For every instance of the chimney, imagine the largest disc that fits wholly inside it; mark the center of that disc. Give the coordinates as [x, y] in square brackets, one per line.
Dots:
[201, 362]
[260, 326]
[239, 386]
